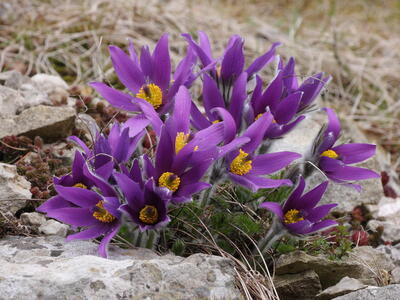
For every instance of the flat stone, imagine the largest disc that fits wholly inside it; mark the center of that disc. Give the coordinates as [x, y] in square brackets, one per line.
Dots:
[392, 251]
[46, 121]
[395, 275]
[391, 231]
[49, 83]
[304, 285]
[33, 219]
[390, 292]
[344, 286]
[362, 264]
[14, 189]
[52, 227]
[10, 101]
[50, 268]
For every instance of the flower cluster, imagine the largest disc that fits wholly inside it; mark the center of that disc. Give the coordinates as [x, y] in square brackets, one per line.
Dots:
[175, 145]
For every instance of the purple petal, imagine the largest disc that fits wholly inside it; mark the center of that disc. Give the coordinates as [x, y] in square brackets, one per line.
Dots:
[103, 247]
[289, 76]
[136, 124]
[80, 143]
[333, 123]
[115, 97]
[272, 162]
[321, 225]
[211, 96]
[355, 153]
[162, 63]
[127, 71]
[146, 63]
[301, 227]
[353, 173]
[328, 164]
[260, 62]
[273, 207]
[256, 132]
[287, 108]
[272, 94]
[203, 56]
[198, 120]
[276, 130]
[233, 61]
[190, 189]
[205, 43]
[165, 152]
[229, 124]
[234, 145]
[132, 53]
[151, 114]
[295, 196]
[181, 114]
[311, 199]
[130, 189]
[54, 203]
[149, 169]
[239, 95]
[90, 233]
[317, 213]
[78, 196]
[74, 216]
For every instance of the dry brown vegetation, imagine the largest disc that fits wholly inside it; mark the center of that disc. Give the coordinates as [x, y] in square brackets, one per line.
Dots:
[357, 42]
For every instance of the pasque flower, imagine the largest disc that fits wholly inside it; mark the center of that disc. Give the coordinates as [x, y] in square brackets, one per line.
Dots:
[300, 213]
[182, 156]
[146, 205]
[247, 169]
[148, 77]
[335, 161]
[114, 149]
[98, 214]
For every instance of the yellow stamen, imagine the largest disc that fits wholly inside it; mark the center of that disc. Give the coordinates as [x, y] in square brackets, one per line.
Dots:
[152, 94]
[181, 140]
[80, 185]
[260, 115]
[293, 216]
[330, 153]
[169, 180]
[240, 165]
[102, 214]
[148, 214]
[216, 121]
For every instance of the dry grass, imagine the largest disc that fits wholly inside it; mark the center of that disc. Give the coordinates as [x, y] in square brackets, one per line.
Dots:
[354, 41]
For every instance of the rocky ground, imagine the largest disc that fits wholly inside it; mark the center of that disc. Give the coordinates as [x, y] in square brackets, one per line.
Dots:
[38, 113]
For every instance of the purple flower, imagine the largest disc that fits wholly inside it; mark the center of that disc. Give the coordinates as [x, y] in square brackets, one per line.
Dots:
[146, 205]
[247, 169]
[182, 156]
[232, 62]
[310, 88]
[97, 214]
[148, 77]
[114, 149]
[334, 160]
[284, 110]
[300, 215]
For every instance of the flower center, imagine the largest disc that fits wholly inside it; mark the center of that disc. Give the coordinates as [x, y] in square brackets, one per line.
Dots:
[102, 214]
[293, 216]
[170, 181]
[148, 214]
[241, 164]
[260, 115]
[216, 121]
[330, 153]
[80, 185]
[152, 94]
[181, 140]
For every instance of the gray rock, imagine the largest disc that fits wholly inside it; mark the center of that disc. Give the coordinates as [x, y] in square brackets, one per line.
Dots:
[52, 227]
[14, 189]
[33, 219]
[392, 251]
[49, 83]
[344, 286]
[364, 264]
[391, 231]
[50, 268]
[390, 292]
[46, 121]
[13, 79]
[10, 101]
[304, 285]
[395, 275]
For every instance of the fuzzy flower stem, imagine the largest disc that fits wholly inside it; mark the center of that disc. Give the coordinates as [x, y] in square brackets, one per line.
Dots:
[275, 232]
